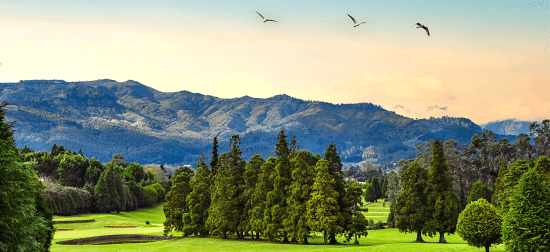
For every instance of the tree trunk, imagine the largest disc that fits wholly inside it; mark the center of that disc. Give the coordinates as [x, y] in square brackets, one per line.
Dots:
[252, 235]
[285, 237]
[333, 239]
[224, 235]
[305, 239]
[356, 241]
[325, 236]
[487, 248]
[419, 237]
[257, 235]
[442, 237]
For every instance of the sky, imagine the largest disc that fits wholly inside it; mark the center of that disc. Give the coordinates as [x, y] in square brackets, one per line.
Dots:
[483, 60]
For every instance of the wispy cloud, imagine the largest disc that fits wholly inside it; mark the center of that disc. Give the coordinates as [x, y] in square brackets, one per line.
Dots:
[437, 107]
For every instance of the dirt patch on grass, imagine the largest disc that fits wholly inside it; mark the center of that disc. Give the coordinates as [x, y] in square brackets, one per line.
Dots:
[122, 226]
[74, 221]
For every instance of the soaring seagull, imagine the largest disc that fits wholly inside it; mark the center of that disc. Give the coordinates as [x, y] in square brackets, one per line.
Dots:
[355, 22]
[423, 27]
[265, 20]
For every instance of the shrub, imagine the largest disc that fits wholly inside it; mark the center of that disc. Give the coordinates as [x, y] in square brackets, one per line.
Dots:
[480, 224]
[147, 222]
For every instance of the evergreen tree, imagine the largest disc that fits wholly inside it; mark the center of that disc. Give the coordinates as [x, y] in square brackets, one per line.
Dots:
[176, 204]
[359, 224]
[369, 193]
[93, 172]
[479, 190]
[293, 146]
[261, 197]
[480, 224]
[499, 184]
[443, 206]
[214, 161]
[510, 180]
[376, 188]
[385, 187]
[134, 172]
[299, 194]
[542, 168]
[72, 170]
[323, 213]
[526, 224]
[277, 207]
[410, 210]
[226, 213]
[102, 197]
[335, 170]
[198, 201]
[252, 178]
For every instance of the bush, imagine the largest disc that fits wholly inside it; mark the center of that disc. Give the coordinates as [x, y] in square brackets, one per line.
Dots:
[147, 222]
[480, 224]
[160, 191]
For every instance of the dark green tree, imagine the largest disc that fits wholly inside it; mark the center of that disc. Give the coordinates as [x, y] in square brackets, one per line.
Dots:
[93, 172]
[369, 193]
[541, 135]
[323, 213]
[479, 190]
[443, 206]
[299, 193]
[411, 207]
[385, 187]
[293, 146]
[252, 178]
[499, 184]
[118, 160]
[335, 170]
[198, 201]
[134, 172]
[102, 197]
[72, 170]
[261, 197]
[526, 225]
[510, 181]
[480, 224]
[186, 169]
[176, 205]
[358, 226]
[214, 161]
[542, 168]
[376, 188]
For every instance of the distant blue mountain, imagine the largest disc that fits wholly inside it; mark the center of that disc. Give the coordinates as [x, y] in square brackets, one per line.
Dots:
[508, 127]
[105, 117]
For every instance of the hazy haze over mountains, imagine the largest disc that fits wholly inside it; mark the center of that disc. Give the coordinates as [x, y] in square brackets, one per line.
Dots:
[106, 117]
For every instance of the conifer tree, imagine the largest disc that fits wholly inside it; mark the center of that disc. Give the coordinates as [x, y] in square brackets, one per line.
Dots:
[277, 207]
[526, 224]
[510, 181]
[376, 188]
[102, 196]
[385, 187]
[479, 190]
[443, 206]
[260, 197]
[335, 170]
[252, 177]
[410, 210]
[358, 226]
[499, 184]
[299, 193]
[323, 213]
[198, 201]
[214, 161]
[176, 204]
[293, 146]
[369, 193]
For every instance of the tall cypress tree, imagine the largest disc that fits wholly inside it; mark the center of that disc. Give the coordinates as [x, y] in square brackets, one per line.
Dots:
[376, 188]
[214, 161]
[300, 192]
[323, 213]
[335, 170]
[278, 205]
[410, 210]
[176, 205]
[198, 201]
[443, 206]
[260, 197]
[359, 224]
[252, 177]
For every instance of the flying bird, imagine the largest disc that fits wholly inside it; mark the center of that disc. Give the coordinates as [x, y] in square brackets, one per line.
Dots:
[423, 27]
[355, 22]
[265, 20]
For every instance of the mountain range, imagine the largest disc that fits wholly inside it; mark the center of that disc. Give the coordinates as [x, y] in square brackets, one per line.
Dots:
[104, 117]
[508, 127]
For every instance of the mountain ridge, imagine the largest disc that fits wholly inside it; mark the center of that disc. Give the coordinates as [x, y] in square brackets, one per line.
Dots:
[150, 126]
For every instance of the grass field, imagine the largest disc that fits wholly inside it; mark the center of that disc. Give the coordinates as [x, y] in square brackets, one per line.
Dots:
[377, 240]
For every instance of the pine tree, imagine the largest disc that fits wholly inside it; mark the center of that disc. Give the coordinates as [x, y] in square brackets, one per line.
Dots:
[176, 204]
[299, 194]
[443, 206]
[102, 197]
[198, 201]
[376, 188]
[323, 213]
[261, 196]
[214, 161]
[277, 207]
[510, 181]
[479, 190]
[359, 224]
[252, 178]
[335, 170]
[526, 224]
[385, 187]
[369, 193]
[410, 210]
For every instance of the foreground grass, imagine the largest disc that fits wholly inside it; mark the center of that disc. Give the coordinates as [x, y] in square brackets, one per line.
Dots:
[377, 240]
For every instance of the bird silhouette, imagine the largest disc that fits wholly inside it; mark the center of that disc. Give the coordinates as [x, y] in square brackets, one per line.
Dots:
[265, 20]
[355, 22]
[423, 27]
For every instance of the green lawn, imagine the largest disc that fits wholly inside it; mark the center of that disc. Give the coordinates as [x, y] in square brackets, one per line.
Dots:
[377, 212]
[377, 240]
